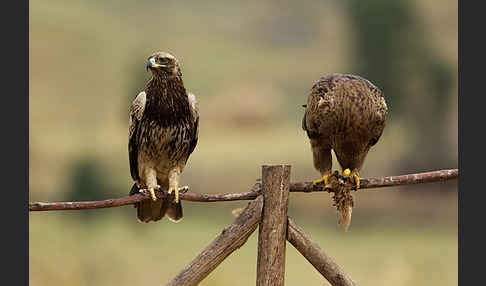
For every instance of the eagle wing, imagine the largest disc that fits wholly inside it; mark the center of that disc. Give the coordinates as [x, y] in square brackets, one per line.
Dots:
[312, 119]
[311, 133]
[194, 107]
[136, 112]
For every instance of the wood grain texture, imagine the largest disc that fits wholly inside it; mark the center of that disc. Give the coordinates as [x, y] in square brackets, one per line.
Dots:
[230, 239]
[273, 225]
[318, 258]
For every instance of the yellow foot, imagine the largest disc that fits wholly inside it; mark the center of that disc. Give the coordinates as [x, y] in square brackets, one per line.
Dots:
[151, 191]
[176, 190]
[353, 175]
[324, 179]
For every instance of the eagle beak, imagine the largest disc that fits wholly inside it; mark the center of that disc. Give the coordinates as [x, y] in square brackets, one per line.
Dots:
[152, 64]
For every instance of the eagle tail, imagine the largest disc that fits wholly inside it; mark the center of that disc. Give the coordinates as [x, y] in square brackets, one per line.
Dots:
[149, 210]
[174, 210]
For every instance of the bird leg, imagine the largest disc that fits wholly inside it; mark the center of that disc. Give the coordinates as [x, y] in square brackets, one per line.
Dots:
[324, 179]
[355, 175]
[151, 182]
[174, 184]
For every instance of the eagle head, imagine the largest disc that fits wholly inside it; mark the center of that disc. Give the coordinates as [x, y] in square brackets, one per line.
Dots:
[163, 64]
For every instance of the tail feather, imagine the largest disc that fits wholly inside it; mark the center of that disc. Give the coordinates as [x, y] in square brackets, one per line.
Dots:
[149, 210]
[174, 210]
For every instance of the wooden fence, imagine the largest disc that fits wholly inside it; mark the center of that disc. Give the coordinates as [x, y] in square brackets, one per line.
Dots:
[267, 210]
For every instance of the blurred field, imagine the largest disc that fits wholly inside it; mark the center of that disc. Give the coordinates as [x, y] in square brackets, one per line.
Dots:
[251, 65]
[119, 251]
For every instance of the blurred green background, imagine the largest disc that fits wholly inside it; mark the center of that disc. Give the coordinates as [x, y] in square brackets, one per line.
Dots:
[251, 65]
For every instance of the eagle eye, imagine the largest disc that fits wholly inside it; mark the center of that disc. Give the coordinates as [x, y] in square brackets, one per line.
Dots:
[163, 60]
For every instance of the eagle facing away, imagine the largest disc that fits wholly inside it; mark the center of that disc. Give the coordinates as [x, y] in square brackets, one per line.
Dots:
[345, 113]
[163, 132]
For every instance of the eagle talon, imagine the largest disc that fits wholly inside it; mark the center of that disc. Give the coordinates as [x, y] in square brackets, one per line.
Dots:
[324, 179]
[347, 174]
[356, 180]
[183, 189]
[151, 191]
[176, 190]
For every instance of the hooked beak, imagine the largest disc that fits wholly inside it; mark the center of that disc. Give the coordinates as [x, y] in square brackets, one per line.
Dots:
[152, 64]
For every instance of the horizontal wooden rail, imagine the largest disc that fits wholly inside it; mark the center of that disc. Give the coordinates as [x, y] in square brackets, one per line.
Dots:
[365, 183]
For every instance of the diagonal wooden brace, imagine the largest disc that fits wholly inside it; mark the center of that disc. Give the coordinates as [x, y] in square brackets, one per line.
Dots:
[318, 258]
[230, 239]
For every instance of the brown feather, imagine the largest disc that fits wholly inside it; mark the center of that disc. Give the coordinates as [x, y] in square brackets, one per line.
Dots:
[347, 114]
[163, 132]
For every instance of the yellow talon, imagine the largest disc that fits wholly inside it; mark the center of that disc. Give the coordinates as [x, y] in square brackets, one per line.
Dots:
[356, 180]
[347, 172]
[151, 191]
[173, 188]
[176, 190]
[354, 175]
[324, 179]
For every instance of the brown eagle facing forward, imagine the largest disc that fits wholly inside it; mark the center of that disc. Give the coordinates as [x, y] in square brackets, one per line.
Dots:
[345, 113]
[163, 132]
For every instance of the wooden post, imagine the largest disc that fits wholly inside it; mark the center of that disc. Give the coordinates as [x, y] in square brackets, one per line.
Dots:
[273, 226]
[318, 258]
[230, 239]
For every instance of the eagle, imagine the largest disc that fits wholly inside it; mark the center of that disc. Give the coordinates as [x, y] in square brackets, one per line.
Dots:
[347, 114]
[162, 134]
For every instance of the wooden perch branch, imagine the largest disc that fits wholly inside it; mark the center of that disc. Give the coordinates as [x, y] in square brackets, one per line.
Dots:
[129, 200]
[379, 182]
[318, 258]
[230, 239]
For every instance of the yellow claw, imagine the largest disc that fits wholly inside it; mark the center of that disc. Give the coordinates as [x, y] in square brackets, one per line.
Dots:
[173, 188]
[324, 179]
[176, 190]
[354, 175]
[347, 172]
[151, 191]
[356, 180]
